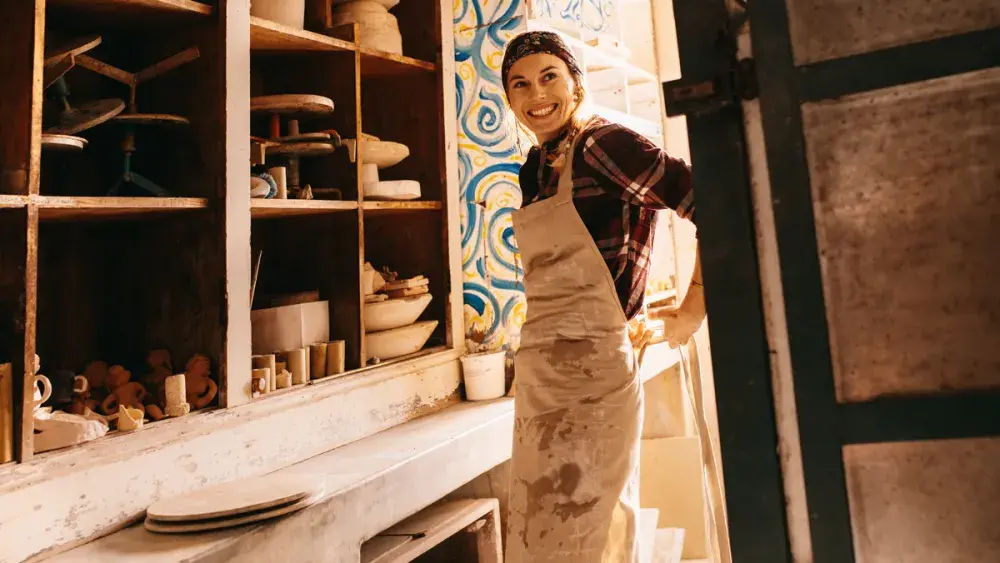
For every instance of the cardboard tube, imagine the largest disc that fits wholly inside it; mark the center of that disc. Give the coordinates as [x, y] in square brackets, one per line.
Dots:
[299, 366]
[317, 360]
[335, 357]
[258, 381]
[280, 175]
[266, 361]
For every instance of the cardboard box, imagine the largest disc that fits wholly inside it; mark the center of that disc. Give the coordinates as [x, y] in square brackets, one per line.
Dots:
[671, 480]
[290, 327]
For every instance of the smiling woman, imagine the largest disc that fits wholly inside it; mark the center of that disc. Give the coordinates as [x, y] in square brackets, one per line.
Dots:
[590, 190]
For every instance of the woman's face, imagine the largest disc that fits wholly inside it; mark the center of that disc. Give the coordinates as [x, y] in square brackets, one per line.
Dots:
[540, 90]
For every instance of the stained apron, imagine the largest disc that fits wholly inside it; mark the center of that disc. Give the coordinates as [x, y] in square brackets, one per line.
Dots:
[574, 493]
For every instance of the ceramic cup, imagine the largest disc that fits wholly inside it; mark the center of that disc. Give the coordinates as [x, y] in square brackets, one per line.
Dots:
[43, 394]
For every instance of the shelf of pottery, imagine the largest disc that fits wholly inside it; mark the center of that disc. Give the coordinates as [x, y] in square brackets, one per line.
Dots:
[113, 227]
[344, 176]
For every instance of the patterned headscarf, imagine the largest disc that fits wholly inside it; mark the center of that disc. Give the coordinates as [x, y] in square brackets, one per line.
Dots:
[536, 42]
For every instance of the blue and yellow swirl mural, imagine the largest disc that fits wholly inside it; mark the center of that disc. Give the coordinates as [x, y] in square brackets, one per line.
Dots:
[489, 159]
[489, 155]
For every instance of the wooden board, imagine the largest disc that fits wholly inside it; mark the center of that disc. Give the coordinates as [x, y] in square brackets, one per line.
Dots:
[235, 498]
[273, 208]
[292, 104]
[86, 115]
[383, 549]
[300, 149]
[163, 119]
[76, 46]
[223, 523]
[81, 208]
[137, 7]
[268, 36]
[6, 412]
[437, 523]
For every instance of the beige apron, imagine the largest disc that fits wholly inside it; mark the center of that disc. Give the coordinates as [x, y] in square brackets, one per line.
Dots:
[578, 407]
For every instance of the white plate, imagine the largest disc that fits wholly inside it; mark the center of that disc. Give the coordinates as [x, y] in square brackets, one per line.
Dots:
[402, 190]
[395, 313]
[397, 342]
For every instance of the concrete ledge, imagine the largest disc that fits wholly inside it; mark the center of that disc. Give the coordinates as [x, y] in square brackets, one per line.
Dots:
[371, 485]
[66, 498]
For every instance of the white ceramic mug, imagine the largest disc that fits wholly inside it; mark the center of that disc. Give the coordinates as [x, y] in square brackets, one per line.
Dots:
[42, 395]
[80, 385]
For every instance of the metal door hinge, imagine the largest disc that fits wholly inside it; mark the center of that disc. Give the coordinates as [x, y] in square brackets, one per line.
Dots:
[689, 97]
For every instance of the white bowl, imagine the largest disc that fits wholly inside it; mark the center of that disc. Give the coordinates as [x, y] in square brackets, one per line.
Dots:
[393, 189]
[397, 342]
[380, 153]
[395, 313]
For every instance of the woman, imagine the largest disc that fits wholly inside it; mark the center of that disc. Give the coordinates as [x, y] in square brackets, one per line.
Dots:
[585, 230]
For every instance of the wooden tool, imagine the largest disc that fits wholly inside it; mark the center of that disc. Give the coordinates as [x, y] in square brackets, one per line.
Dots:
[295, 105]
[132, 118]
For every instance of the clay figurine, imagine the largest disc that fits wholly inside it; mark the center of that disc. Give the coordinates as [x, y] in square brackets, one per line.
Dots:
[123, 392]
[96, 374]
[201, 389]
[161, 368]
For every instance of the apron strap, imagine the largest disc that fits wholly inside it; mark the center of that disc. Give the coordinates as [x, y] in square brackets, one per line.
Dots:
[564, 191]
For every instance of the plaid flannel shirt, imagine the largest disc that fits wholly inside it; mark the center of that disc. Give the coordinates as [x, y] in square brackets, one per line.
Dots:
[620, 180]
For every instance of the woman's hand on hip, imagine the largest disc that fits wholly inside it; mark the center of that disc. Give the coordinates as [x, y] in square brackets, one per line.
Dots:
[680, 324]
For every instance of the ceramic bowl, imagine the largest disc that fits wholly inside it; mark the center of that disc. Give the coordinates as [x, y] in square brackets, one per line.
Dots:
[401, 190]
[395, 313]
[397, 342]
[380, 153]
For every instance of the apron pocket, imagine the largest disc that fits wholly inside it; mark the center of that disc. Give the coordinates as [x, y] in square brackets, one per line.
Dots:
[572, 327]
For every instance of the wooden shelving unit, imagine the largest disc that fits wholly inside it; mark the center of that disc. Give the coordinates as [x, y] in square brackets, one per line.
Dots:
[87, 273]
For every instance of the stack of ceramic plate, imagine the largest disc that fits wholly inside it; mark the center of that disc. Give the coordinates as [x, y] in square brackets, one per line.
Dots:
[234, 504]
[377, 28]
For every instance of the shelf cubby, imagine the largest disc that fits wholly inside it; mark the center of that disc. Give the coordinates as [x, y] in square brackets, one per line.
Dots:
[115, 290]
[90, 274]
[310, 253]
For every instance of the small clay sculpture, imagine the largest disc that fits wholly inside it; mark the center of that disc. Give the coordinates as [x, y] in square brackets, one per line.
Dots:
[201, 389]
[125, 393]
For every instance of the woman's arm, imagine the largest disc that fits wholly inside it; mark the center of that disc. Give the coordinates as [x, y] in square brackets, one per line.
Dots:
[680, 324]
[641, 173]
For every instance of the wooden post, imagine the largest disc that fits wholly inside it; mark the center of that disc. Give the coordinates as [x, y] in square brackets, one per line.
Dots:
[234, 199]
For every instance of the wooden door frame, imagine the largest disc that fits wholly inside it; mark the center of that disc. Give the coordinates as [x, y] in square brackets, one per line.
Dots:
[826, 426]
[754, 494]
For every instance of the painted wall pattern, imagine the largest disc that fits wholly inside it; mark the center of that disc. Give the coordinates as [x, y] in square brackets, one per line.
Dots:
[489, 155]
[489, 159]
[598, 16]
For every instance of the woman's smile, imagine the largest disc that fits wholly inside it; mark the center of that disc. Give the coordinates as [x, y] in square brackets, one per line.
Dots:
[543, 111]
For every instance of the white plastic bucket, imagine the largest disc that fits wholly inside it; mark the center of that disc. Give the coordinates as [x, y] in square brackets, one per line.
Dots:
[484, 375]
